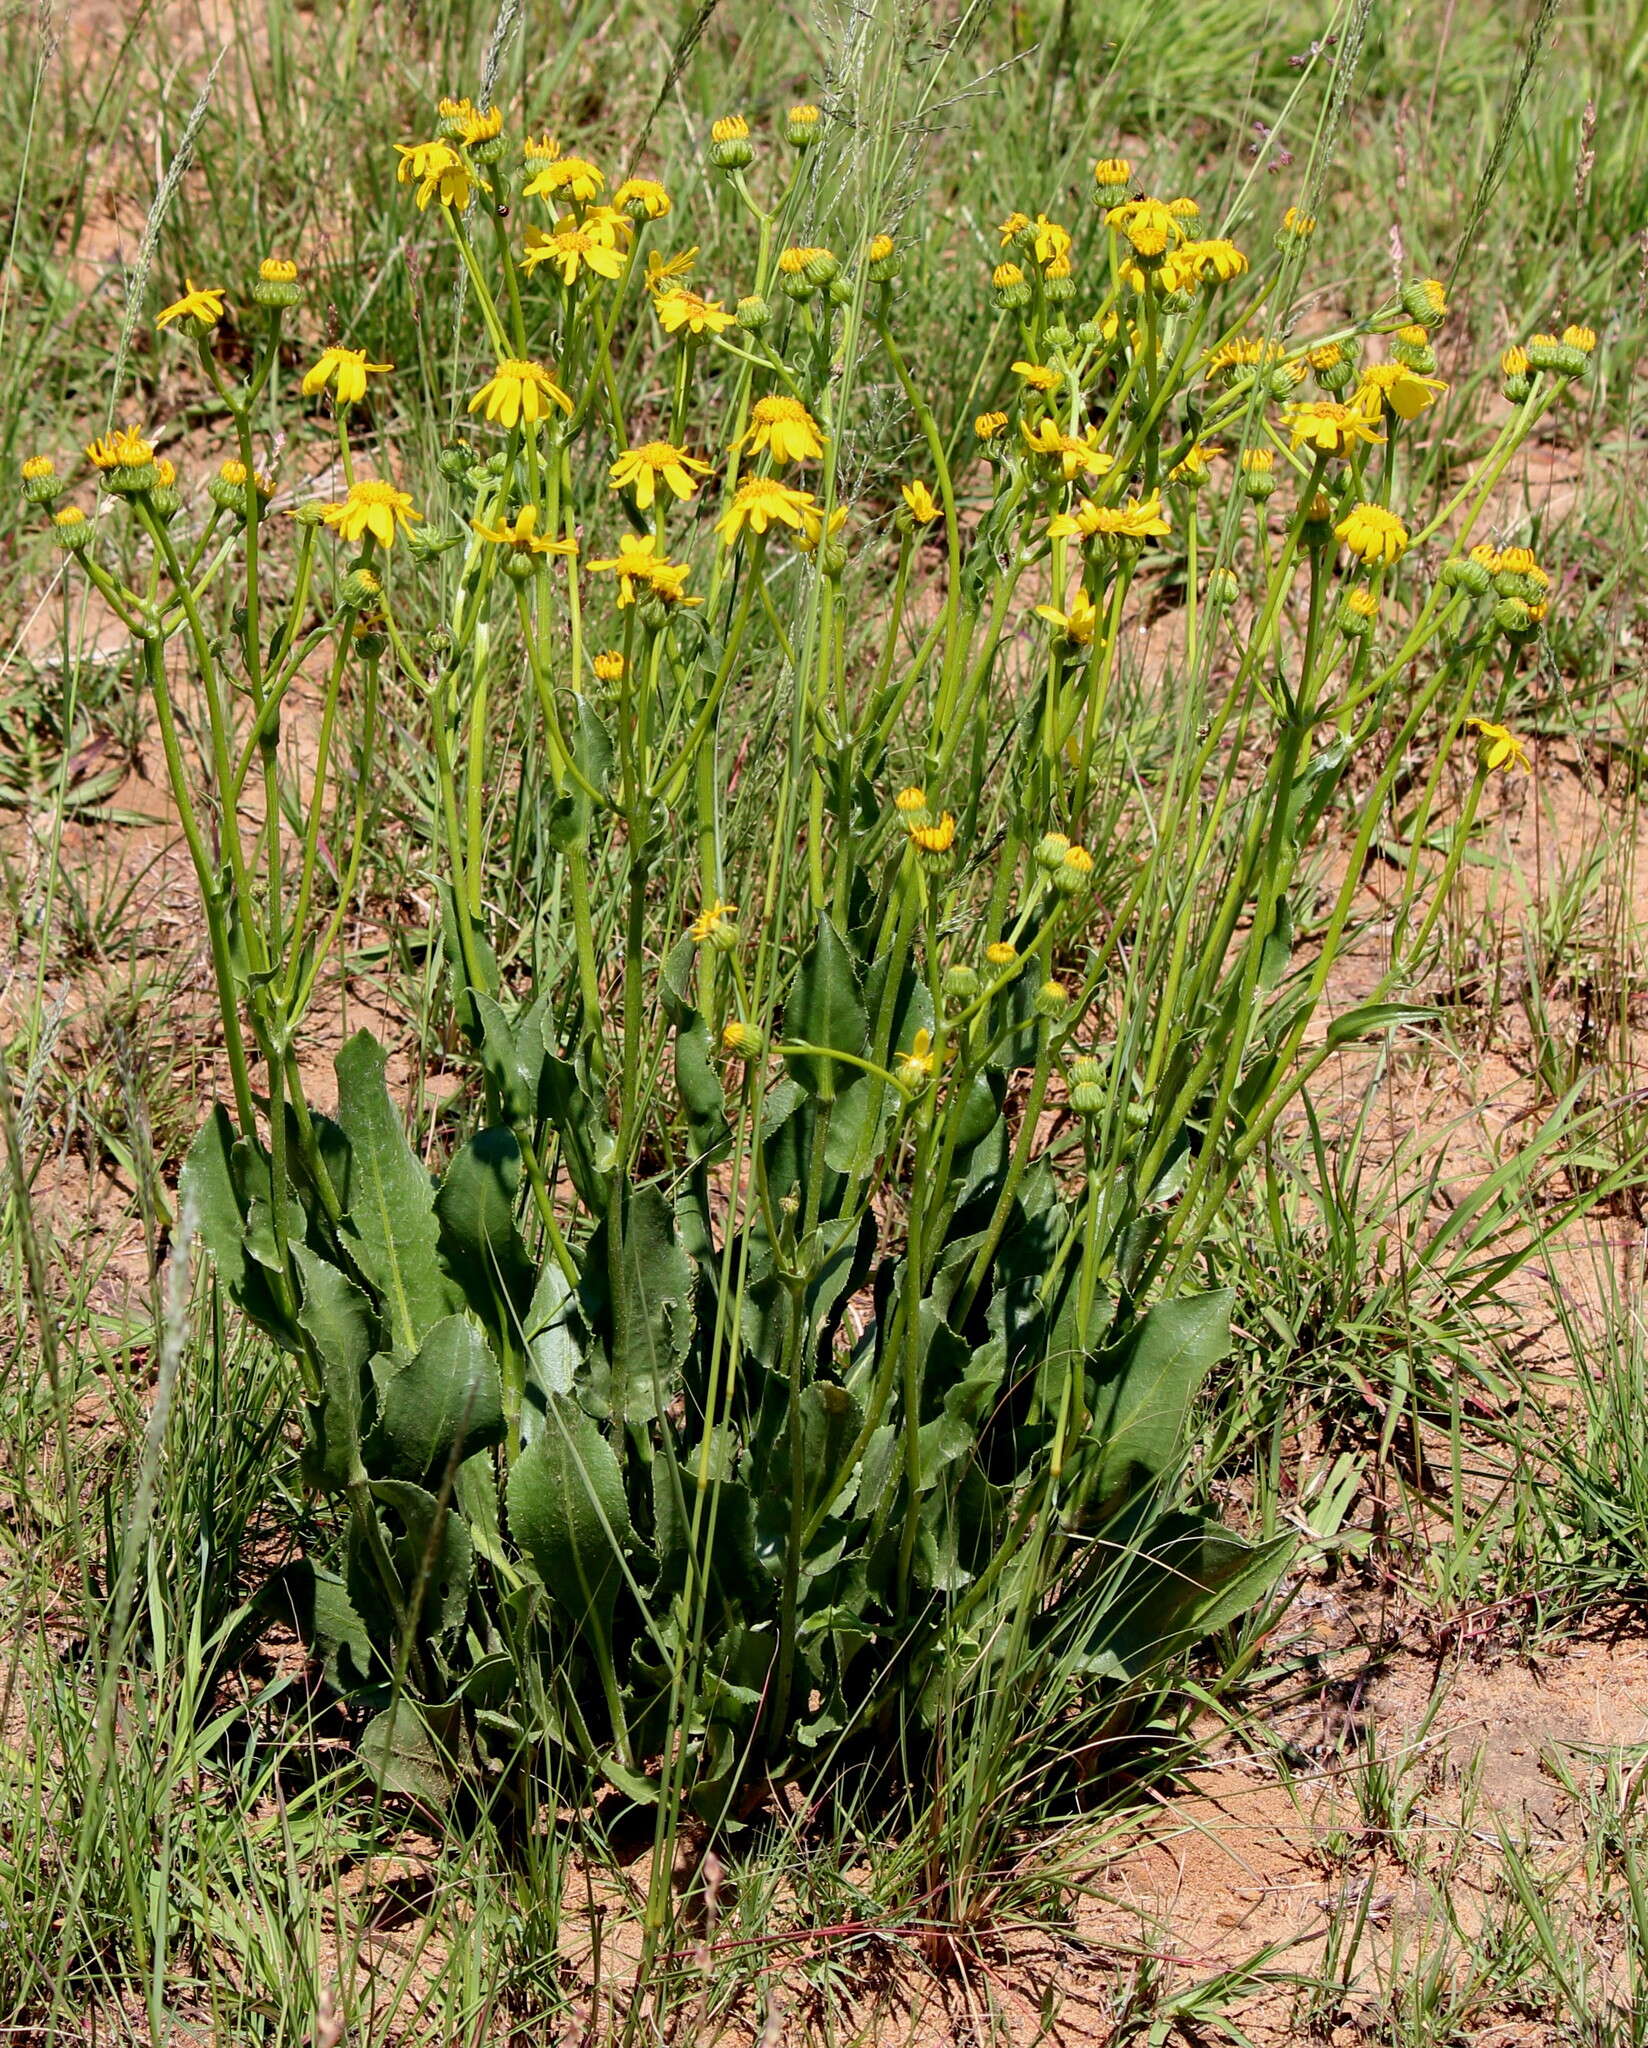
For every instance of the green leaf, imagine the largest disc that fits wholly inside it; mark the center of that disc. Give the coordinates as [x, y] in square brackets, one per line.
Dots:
[652, 1313]
[443, 1405]
[825, 1009]
[1192, 1577]
[211, 1191]
[569, 1105]
[1369, 1018]
[1145, 1390]
[702, 1095]
[398, 1750]
[391, 1227]
[340, 1323]
[568, 1514]
[480, 1242]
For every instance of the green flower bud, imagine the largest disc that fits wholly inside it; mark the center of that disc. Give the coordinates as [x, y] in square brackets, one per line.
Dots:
[961, 984]
[743, 1041]
[1051, 849]
[1052, 999]
[455, 462]
[1058, 336]
[1425, 301]
[802, 126]
[1357, 611]
[361, 588]
[839, 292]
[1461, 573]
[754, 314]
[427, 543]
[730, 148]
[72, 528]
[277, 284]
[40, 484]
[1513, 618]
[1087, 1091]
[821, 268]
[1223, 588]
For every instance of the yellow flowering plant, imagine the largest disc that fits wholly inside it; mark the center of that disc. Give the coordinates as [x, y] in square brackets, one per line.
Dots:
[759, 1359]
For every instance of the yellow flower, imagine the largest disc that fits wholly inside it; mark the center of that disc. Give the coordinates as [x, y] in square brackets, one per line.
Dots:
[813, 532]
[762, 501]
[639, 562]
[917, 1066]
[467, 124]
[1075, 455]
[881, 247]
[679, 309]
[524, 536]
[1136, 519]
[708, 922]
[923, 506]
[1243, 355]
[1150, 228]
[1373, 534]
[654, 462]
[571, 249]
[202, 302]
[1113, 170]
[910, 799]
[1078, 622]
[125, 448]
[1195, 463]
[610, 226]
[1196, 263]
[572, 177]
[730, 128]
[938, 835]
[519, 391]
[1049, 241]
[608, 666]
[1499, 747]
[1329, 428]
[990, 426]
[1297, 226]
[1012, 227]
[1002, 952]
[785, 429]
[643, 195]
[662, 269]
[372, 507]
[37, 467]
[541, 149]
[1582, 338]
[1487, 555]
[1514, 362]
[278, 270]
[1037, 376]
[1402, 390]
[350, 369]
[440, 171]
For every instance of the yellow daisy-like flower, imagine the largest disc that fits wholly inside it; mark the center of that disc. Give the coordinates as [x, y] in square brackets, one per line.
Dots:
[1002, 952]
[881, 247]
[644, 468]
[990, 426]
[924, 508]
[371, 507]
[638, 562]
[643, 195]
[1243, 354]
[1329, 428]
[1049, 242]
[1498, 746]
[1037, 376]
[708, 922]
[785, 429]
[1195, 463]
[38, 467]
[1582, 338]
[1136, 519]
[1078, 621]
[730, 128]
[125, 448]
[611, 226]
[523, 536]
[679, 309]
[1373, 534]
[541, 149]
[609, 666]
[1215, 262]
[917, 1066]
[663, 270]
[349, 369]
[566, 177]
[1076, 455]
[1150, 228]
[468, 123]
[278, 270]
[760, 502]
[572, 249]
[938, 835]
[202, 302]
[910, 799]
[439, 171]
[1395, 387]
[813, 532]
[519, 391]
[1012, 227]
[1113, 170]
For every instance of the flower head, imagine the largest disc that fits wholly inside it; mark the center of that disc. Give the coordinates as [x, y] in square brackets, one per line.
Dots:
[933, 835]
[371, 507]
[990, 426]
[519, 391]
[609, 666]
[1498, 746]
[1135, 519]
[200, 302]
[1150, 227]
[910, 799]
[523, 536]
[923, 507]
[638, 562]
[347, 369]
[1076, 455]
[1396, 388]
[568, 177]
[785, 429]
[678, 309]
[1037, 376]
[642, 469]
[439, 171]
[708, 924]
[760, 502]
[1329, 428]
[1373, 534]
[125, 448]
[572, 248]
[1078, 621]
[643, 196]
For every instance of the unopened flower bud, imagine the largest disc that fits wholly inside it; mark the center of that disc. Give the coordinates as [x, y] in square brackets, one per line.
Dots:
[1543, 351]
[881, 259]
[1514, 618]
[455, 462]
[1011, 288]
[1051, 849]
[1074, 872]
[754, 313]
[370, 641]
[730, 143]
[1332, 366]
[277, 283]
[961, 984]
[1464, 572]
[821, 267]
[1297, 227]
[360, 589]
[1052, 999]
[1425, 300]
[1285, 379]
[1223, 588]
[1112, 175]
[802, 126]
[72, 528]
[1087, 1092]
[1317, 529]
[1515, 379]
[40, 485]
[1357, 611]
[609, 666]
[1411, 347]
[742, 1041]
[1258, 473]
